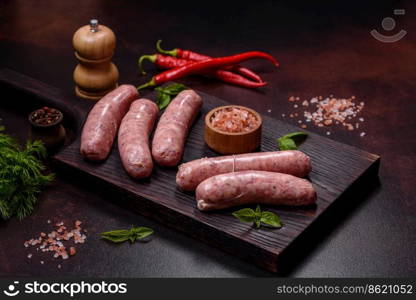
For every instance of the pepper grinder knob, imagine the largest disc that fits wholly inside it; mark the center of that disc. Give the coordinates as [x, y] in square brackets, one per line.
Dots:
[95, 75]
[94, 25]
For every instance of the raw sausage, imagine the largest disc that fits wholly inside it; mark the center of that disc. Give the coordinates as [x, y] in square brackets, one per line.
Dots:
[133, 138]
[246, 187]
[194, 172]
[103, 121]
[172, 129]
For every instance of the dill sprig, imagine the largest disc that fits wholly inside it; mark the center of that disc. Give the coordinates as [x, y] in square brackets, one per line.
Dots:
[21, 176]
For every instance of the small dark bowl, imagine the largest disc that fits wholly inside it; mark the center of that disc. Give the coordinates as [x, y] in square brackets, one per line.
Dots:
[52, 135]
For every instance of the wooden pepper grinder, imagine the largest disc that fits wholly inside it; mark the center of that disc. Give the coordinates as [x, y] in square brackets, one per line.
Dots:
[95, 75]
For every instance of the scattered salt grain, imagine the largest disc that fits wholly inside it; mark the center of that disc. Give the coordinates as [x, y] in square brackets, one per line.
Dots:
[54, 240]
[362, 134]
[269, 110]
[329, 111]
[328, 133]
[42, 262]
[29, 255]
[72, 251]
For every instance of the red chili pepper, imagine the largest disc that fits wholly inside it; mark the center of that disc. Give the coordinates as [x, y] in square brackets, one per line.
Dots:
[200, 67]
[190, 55]
[169, 62]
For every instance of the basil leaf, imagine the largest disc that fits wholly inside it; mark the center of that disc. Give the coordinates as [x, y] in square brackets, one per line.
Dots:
[172, 89]
[287, 144]
[163, 100]
[122, 235]
[245, 215]
[291, 141]
[258, 211]
[143, 232]
[271, 219]
[116, 233]
[165, 94]
[257, 216]
[114, 237]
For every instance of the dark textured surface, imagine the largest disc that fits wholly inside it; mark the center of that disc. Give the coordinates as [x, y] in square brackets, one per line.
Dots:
[336, 167]
[324, 48]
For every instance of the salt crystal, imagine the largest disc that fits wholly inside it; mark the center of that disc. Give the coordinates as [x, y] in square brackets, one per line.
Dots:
[29, 255]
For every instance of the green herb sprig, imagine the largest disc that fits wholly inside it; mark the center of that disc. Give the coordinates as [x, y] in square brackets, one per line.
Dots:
[258, 217]
[291, 141]
[164, 94]
[21, 176]
[133, 234]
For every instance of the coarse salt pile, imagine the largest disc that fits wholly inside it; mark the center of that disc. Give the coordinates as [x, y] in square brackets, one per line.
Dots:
[54, 240]
[234, 119]
[329, 111]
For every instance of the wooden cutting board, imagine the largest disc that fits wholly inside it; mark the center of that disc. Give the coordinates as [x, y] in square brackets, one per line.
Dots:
[337, 168]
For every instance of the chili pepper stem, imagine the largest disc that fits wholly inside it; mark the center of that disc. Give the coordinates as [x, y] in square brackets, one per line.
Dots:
[147, 84]
[151, 58]
[173, 52]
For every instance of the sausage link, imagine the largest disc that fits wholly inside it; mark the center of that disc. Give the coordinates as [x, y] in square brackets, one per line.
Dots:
[291, 162]
[247, 187]
[103, 121]
[133, 138]
[173, 127]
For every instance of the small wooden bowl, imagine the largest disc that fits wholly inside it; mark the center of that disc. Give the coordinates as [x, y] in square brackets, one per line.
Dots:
[52, 135]
[232, 142]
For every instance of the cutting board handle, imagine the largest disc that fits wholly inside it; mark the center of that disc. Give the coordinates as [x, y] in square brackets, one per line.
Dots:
[72, 107]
